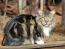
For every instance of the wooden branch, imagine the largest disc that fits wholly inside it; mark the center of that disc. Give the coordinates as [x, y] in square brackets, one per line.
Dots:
[47, 45]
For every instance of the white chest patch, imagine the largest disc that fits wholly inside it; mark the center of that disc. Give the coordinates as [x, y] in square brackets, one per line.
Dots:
[46, 31]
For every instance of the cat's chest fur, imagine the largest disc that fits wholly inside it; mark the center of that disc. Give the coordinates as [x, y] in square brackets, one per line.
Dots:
[47, 31]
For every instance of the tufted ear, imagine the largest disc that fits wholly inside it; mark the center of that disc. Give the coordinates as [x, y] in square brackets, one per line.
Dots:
[40, 13]
[52, 13]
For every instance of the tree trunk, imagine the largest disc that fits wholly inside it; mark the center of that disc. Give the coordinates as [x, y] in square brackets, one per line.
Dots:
[63, 10]
[5, 10]
[22, 5]
[33, 4]
[41, 4]
[43, 1]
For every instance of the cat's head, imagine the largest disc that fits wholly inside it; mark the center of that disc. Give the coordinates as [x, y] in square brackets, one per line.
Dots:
[45, 18]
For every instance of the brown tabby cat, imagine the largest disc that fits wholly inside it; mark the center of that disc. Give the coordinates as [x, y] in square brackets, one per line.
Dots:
[28, 29]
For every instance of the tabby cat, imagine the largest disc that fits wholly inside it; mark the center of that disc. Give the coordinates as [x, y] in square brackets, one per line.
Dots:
[28, 29]
[47, 20]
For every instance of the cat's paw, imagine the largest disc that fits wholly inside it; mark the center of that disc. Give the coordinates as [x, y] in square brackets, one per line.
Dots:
[39, 42]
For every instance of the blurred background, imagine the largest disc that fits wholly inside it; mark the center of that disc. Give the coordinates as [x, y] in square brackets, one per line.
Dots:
[11, 8]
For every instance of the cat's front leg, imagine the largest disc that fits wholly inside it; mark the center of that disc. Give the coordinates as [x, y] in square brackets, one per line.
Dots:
[39, 35]
[31, 34]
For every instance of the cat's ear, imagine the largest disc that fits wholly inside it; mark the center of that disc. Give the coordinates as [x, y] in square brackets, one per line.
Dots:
[52, 13]
[40, 13]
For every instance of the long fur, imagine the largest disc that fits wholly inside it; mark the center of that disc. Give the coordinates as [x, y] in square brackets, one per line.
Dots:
[28, 29]
[20, 30]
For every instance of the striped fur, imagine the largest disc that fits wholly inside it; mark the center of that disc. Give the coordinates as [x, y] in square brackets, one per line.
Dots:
[28, 29]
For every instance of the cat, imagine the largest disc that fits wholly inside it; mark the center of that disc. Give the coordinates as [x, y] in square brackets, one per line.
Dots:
[48, 21]
[27, 29]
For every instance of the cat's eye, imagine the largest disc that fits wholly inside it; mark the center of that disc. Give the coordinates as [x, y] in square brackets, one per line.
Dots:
[41, 20]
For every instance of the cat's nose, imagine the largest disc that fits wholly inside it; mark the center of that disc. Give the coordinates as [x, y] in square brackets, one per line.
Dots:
[46, 21]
